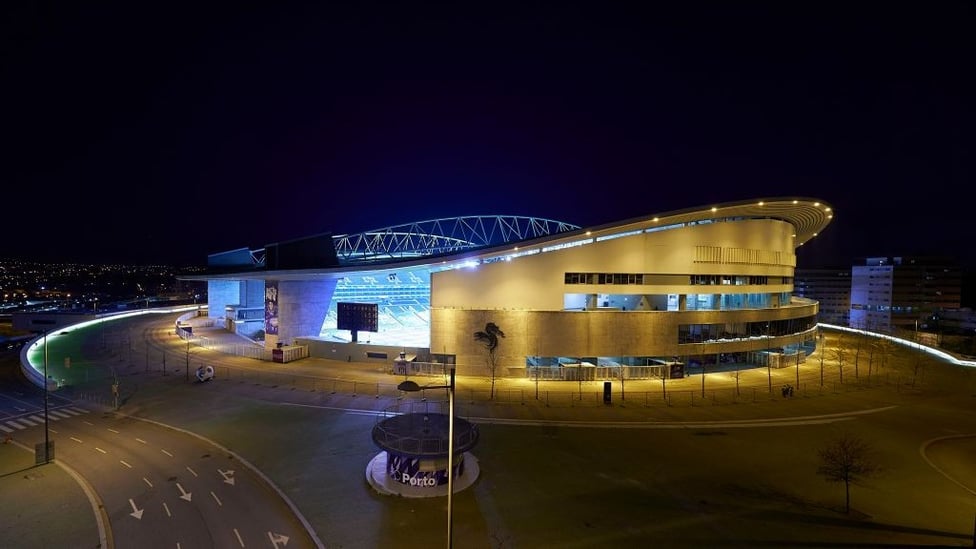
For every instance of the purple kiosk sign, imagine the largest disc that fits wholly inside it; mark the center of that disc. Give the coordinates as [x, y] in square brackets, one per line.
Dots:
[416, 445]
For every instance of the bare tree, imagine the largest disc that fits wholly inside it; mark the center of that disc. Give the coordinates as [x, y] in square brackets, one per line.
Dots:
[847, 459]
[886, 348]
[840, 353]
[489, 338]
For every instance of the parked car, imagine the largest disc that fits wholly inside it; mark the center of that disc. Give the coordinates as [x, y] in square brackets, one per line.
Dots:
[205, 373]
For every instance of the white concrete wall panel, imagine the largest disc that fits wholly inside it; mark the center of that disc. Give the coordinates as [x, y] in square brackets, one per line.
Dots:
[302, 306]
[537, 281]
[590, 333]
[220, 294]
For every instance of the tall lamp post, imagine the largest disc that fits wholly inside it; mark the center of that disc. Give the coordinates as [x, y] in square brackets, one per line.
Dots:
[187, 335]
[47, 442]
[411, 386]
[769, 358]
[822, 351]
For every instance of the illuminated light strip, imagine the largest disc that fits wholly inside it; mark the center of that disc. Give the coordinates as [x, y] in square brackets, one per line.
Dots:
[567, 245]
[907, 343]
[618, 235]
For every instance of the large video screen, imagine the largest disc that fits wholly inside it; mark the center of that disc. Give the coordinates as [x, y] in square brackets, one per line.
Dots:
[362, 317]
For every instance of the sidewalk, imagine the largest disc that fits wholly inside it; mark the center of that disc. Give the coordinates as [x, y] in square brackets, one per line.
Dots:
[43, 505]
[372, 386]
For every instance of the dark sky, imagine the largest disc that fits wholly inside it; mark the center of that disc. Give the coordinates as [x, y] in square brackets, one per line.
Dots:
[155, 133]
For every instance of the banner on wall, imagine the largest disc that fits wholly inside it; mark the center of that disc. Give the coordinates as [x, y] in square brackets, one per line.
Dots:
[271, 307]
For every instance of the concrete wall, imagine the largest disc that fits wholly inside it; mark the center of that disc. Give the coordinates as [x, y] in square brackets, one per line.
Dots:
[358, 352]
[302, 306]
[590, 333]
[220, 294]
[538, 281]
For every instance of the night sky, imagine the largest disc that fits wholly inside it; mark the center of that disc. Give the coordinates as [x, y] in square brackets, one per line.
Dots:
[160, 133]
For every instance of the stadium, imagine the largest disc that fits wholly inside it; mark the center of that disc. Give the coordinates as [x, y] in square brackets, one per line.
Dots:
[651, 297]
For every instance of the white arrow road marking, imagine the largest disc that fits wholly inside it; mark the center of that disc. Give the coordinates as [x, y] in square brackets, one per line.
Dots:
[194, 473]
[216, 499]
[228, 476]
[185, 495]
[278, 538]
[239, 540]
[168, 514]
[136, 512]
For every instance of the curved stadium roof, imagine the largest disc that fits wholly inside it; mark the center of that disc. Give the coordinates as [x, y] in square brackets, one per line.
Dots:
[420, 242]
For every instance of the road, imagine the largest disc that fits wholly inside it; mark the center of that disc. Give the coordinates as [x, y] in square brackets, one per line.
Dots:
[157, 486]
[718, 473]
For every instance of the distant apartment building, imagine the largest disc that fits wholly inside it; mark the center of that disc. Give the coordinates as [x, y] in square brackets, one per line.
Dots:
[895, 294]
[831, 286]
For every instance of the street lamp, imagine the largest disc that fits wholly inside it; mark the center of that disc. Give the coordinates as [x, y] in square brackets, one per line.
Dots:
[769, 358]
[47, 441]
[411, 386]
[822, 350]
[187, 357]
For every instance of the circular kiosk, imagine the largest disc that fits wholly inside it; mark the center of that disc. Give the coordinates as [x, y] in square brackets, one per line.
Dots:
[414, 460]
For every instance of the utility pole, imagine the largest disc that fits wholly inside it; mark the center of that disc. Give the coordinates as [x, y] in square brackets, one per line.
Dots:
[822, 350]
[187, 358]
[47, 440]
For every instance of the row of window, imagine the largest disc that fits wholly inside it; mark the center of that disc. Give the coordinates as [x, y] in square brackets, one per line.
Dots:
[701, 333]
[639, 278]
[604, 278]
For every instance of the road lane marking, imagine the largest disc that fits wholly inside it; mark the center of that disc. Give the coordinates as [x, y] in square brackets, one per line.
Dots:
[216, 499]
[122, 461]
[228, 476]
[28, 421]
[6, 429]
[89, 423]
[53, 431]
[168, 514]
[194, 473]
[100, 450]
[278, 538]
[78, 440]
[239, 540]
[139, 440]
[113, 431]
[39, 419]
[16, 424]
[146, 480]
[58, 414]
[136, 512]
[165, 452]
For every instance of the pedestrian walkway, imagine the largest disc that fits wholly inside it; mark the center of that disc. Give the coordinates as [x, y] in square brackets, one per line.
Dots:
[373, 385]
[34, 419]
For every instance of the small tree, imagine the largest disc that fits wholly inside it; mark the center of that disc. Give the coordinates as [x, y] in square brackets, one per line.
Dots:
[847, 459]
[840, 354]
[886, 348]
[489, 338]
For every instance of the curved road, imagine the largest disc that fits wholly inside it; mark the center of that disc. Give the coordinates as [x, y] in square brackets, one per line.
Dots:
[155, 485]
[739, 474]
